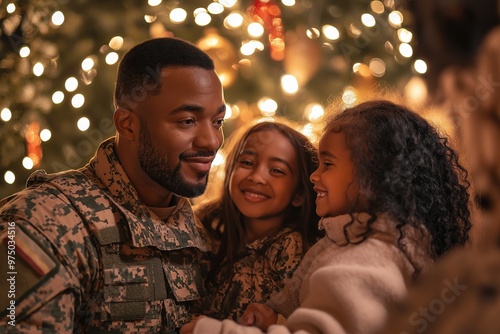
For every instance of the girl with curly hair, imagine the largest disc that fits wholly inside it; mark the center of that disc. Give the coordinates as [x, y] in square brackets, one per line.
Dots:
[263, 220]
[393, 198]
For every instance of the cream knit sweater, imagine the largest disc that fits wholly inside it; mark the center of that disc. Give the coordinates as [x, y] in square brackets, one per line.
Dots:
[341, 286]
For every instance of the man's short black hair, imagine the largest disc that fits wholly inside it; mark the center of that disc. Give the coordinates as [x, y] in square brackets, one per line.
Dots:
[139, 72]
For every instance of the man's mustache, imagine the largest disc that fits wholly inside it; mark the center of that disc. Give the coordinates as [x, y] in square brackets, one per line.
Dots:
[210, 154]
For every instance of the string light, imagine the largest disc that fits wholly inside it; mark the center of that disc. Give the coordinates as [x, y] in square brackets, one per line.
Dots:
[58, 18]
[420, 66]
[9, 177]
[83, 124]
[177, 15]
[57, 97]
[77, 101]
[5, 114]
[256, 40]
[71, 84]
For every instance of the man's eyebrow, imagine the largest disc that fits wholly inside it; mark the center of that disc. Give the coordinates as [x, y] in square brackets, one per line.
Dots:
[188, 107]
[196, 108]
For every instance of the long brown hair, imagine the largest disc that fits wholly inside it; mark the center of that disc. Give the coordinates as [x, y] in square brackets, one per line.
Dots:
[223, 219]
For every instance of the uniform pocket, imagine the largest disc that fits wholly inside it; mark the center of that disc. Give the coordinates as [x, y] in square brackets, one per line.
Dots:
[127, 284]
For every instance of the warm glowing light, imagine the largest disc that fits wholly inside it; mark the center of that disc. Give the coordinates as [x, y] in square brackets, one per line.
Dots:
[288, 3]
[9, 177]
[87, 64]
[361, 69]
[149, 18]
[255, 29]
[215, 8]
[395, 19]
[406, 50]
[267, 106]
[58, 18]
[71, 84]
[368, 20]
[111, 58]
[415, 91]
[5, 114]
[314, 112]
[202, 18]
[77, 101]
[45, 135]
[405, 35]
[228, 3]
[233, 20]
[154, 3]
[24, 51]
[420, 66]
[349, 96]
[289, 84]
[83, 124]
[177, 15]
[11, 8]
[250, 47]
[377, 67]
[312, 33]
[116, 42]
[28, 163]
[218, 160]
[331, 32]
[229, 112]
[377, 7]
[58, 97]
[38, 69]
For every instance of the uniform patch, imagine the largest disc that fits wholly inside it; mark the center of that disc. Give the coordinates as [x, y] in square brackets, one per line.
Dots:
[26, 264]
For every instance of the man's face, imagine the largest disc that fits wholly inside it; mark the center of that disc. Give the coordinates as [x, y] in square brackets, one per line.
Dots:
[181, 130]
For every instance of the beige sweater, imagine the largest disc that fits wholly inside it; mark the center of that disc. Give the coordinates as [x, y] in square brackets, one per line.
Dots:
[342, 287]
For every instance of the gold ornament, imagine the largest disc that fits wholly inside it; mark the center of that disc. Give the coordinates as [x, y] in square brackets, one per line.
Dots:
[222, 53]
[303, 56]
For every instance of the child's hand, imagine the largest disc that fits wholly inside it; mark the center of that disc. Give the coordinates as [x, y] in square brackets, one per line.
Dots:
[259, 315]
[188, 328]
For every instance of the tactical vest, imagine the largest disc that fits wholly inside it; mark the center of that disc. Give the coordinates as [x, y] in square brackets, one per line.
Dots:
[128, 286]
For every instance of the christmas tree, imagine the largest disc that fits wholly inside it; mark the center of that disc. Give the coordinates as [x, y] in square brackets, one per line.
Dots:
[275, 58]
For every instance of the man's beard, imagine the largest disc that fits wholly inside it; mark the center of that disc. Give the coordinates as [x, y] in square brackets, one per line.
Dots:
[155, 165]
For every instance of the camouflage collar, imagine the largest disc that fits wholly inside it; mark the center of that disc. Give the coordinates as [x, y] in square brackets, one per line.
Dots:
[178, 231]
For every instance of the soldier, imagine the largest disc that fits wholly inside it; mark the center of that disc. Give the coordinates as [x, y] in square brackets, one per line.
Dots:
[114, 246]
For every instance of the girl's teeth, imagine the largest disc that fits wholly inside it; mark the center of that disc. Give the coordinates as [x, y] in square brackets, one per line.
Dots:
[254, 195]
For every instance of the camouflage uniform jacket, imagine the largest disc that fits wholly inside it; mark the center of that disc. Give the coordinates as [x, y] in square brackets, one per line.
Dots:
[259, 271]
[90, 256]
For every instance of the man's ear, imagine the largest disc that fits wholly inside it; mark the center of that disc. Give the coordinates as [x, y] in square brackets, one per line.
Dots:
[126, 123]
[298, 200]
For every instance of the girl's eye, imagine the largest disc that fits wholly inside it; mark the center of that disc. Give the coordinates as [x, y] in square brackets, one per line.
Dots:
[246, 162]
[327, 163]
[277, 171]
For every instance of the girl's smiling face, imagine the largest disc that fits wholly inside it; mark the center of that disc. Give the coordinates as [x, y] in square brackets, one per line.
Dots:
[265, 177]
[337, 191]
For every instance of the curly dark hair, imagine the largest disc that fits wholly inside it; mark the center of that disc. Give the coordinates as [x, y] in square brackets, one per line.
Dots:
[229, 228]
[406, 169]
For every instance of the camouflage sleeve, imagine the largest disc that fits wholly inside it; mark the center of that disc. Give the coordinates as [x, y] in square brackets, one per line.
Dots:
[37, 291]
[289, 253]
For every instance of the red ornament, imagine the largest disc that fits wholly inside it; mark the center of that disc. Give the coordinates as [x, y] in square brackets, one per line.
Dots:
[34, 143]
[267, 13]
